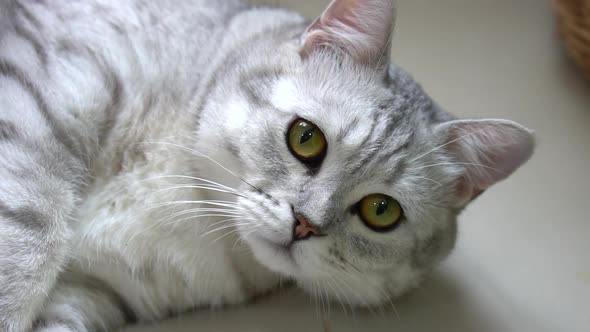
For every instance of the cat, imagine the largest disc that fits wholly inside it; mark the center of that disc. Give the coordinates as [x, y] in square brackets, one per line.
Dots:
[161, 156]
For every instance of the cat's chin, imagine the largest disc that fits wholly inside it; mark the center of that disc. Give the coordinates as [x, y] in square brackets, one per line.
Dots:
[279, 258]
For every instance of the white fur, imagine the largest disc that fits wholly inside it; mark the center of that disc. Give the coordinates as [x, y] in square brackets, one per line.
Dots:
[190, 200]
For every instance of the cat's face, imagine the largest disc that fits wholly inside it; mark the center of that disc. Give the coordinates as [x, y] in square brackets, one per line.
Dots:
[354, 178]
[367, 138]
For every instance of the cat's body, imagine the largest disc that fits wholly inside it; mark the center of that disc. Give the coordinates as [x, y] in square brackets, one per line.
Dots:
[136, 76]
[113, 112]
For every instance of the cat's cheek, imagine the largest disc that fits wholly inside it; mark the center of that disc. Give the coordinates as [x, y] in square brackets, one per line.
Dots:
[275, 258]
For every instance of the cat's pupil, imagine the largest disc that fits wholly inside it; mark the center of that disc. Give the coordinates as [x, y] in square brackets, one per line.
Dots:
[306, 136]
[382, 207]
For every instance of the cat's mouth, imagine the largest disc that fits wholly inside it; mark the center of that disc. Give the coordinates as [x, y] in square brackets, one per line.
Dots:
[277, 256]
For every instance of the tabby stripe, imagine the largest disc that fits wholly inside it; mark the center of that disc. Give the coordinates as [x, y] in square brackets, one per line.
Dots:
[29, 16]
[253, 81]
[360, 163]
[39, 50]
[348, 129]
[116, 90]
[27, 216]
[7, 131]
[7, 69]
[110, 78]
[97, 286]
[231, 59]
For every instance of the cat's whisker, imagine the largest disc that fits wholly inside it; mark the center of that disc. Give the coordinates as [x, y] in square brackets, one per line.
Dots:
[227, 204]
[171, 204]
[206, 187]
[445, 144]
[338, 285]
[224, 235]
[457, 163]
[321, 290]
[211, 204]
[315, 297]
[225, 227]
[381, 291]
[354, 291]
[223, 210]
[227, 220]
[173, 176]
[160, 223]
[336, 293]
[387, 46]
[341, 286]
[176, 221]
[387, 297]
[242, 239]
[200, 154]
[394, 308]
[351, 265]
[427, 178]
[213, 213]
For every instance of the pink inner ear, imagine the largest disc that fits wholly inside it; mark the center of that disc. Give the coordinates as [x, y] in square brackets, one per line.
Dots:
[361, 28]
[488, 150]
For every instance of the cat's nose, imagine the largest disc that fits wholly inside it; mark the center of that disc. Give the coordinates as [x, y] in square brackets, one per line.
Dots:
[303, 228]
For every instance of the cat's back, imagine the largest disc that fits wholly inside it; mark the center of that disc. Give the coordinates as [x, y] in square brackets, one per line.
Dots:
[123, 33]
[106, 66]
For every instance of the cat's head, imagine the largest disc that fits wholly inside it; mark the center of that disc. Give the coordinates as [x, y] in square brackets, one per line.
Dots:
[355, 176]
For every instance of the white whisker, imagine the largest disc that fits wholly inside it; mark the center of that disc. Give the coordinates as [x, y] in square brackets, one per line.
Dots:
[176, 221]
[206, 187]
[231, 219]
[443, 145]
[329, 282]
[427, 178]
[200, 154]
[173, 176]
[206, 202]
[224, 235]
[458, 163]
[225, 227]
[227, 212]
[242, 239]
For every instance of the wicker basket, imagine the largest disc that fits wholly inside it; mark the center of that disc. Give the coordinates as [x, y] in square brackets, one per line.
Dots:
[573, 20]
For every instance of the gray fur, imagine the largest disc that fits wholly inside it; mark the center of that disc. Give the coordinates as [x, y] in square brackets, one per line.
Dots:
[98, 98]
[27, 217]
[7, 131]
[10, 70]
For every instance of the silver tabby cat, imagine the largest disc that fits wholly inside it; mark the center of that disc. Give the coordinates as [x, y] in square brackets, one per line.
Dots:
[160, 156]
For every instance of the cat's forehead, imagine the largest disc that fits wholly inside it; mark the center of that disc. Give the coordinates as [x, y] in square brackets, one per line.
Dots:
[335, 112]
[346, 111]
[353, 111]
[367, 136]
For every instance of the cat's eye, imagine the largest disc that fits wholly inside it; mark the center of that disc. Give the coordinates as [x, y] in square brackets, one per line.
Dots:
[306, 141]
[380, 212]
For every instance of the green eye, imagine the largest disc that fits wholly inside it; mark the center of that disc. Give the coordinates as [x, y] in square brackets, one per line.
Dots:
[380, 212]
[306, 141]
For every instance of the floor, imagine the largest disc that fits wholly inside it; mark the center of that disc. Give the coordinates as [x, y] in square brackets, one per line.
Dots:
[522, 262]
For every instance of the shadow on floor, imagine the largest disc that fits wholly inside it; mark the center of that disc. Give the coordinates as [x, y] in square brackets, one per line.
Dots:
[439, 304]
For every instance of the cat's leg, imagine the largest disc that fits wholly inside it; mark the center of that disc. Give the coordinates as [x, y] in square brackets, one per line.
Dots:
[38, 193]
[80, 304]
[41, 174]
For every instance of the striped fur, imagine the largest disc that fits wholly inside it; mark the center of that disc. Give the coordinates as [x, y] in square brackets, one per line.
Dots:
[144, 169]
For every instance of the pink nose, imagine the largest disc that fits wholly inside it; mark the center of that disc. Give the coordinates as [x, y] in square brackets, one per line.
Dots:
[303, 228]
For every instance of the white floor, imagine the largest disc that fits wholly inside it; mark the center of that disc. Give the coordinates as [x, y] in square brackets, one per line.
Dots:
[522, 262]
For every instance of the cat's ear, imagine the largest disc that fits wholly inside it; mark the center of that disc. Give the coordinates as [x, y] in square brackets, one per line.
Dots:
[488, 151]
[361, 28]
